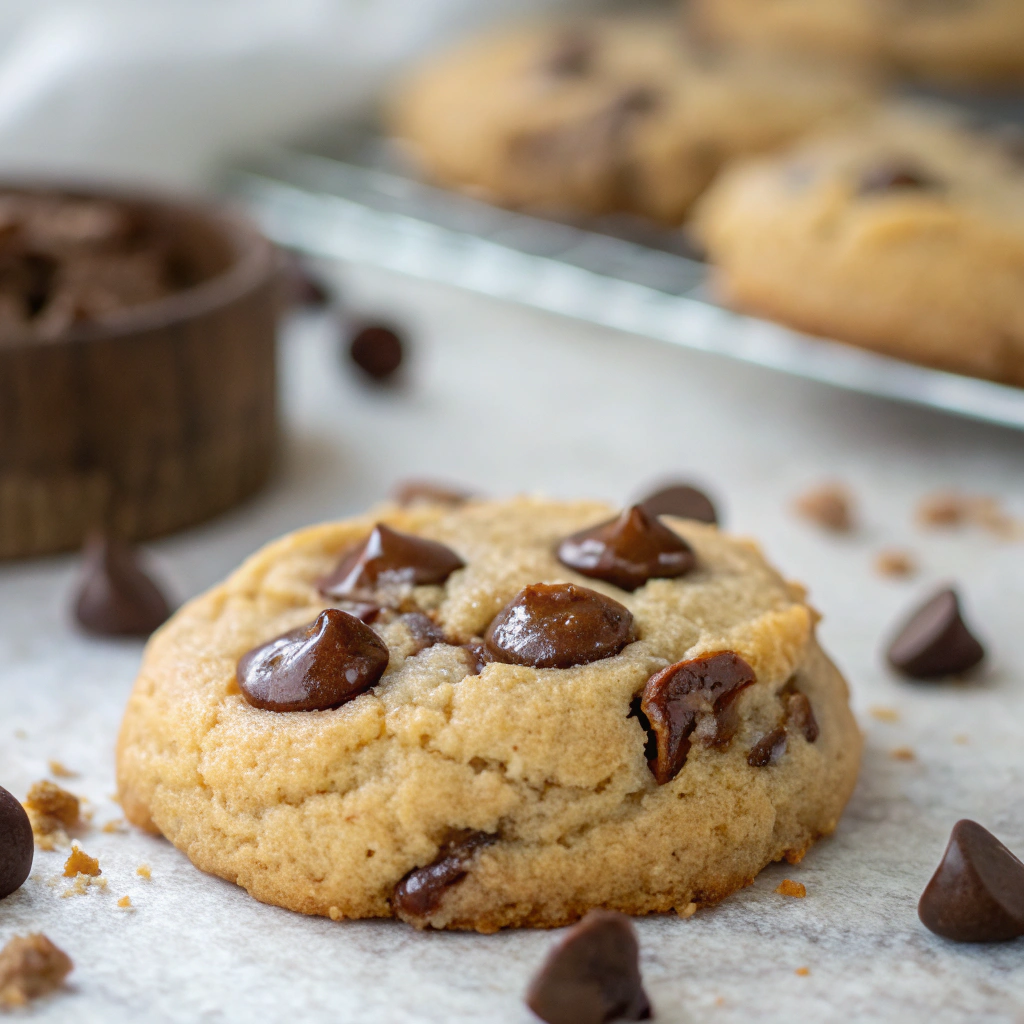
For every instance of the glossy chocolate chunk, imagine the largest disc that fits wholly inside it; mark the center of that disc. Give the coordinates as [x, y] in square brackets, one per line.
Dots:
[895, 175]
[680, 500]
[377, 351]
[420, 893]
[558, 625]
[313, 668]
[977, 892]
[935, 641]
[16, 844]
[390, 558]
[430, 492]
[800, 715]
[592, 975]
[768, 749]
[116, 597]
[628, 551]
[691, 694]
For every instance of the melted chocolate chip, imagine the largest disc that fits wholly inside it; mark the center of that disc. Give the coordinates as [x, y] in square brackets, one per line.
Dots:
[977, 892]
[768, 749]
[935, 641]
[429, 492]
[894, 176]
[420, 893]
[16, 844]
[800, 715]
[681, 500]
[628, 551]
[691, 694]
[377, 351]
[390, 558]
[557, 626]
[313, 668]
[572, 56]
[425, 631]
[116, 597]
[592, 975]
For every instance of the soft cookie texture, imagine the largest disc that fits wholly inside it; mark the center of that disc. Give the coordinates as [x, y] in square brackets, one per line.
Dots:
[602, 116]
[544, 770]
[905, 235]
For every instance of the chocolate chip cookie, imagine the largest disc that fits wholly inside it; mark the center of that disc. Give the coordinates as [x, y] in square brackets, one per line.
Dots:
[602, 116]
[501, 713]
[905, 235]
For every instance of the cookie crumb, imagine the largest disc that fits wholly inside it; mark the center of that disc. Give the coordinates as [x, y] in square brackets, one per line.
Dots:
[688, 911]
[80, 863]
[961, 739]
[20, 734]
[125, 902]
[803, 971]
[62, 772]
[790, 888]
[951, 509]
[884, 714]
[334, 914]
[115, 825]
[794, 856]
[143, 871]
[30, 966]
[830, 506]
[903, 754]
[895, 563]
[51, 811]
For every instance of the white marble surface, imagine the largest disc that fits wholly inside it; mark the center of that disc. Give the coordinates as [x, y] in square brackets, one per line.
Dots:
[510, 400]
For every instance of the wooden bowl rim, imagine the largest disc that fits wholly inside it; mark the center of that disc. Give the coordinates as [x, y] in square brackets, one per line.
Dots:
[256, 263]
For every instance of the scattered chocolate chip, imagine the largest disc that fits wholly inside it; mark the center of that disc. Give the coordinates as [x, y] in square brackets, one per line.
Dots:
[829, 506]
[377, 351]
[116, 597]
[430, 492]
[935, 641]
[688, 697]
[425, 631]
[313, 668]
[16, 844]
[420, 893]
[977, 892]
[478, 656]
[572, 55]
[768, 749]
[681, 500]
[592, 975]
[559, 625]
[390, 558]
[628, 551]
[800, 715]
[892, 176]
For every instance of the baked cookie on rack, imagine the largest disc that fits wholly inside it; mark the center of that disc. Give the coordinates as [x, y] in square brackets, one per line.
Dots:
[498, 714]
[602, 116]
[905, 235]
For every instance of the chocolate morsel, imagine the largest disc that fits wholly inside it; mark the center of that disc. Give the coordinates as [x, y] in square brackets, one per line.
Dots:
[592, 975]
[377, 351]
[115, 596]
[894, 176]
[935, 641]
[429, 492]
[315, 667]
[628, 551]
[800, 715]
[977, 892]
[16, 844]
[689, 695]
[424, 630]
[389, 557]
[768, 749]
[558, 625]
[420, 893]
[682, 500]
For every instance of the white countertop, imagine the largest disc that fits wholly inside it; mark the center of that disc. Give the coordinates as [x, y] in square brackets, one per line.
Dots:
[508, 400]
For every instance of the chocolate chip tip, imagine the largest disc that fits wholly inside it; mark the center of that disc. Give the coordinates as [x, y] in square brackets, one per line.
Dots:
[935, 642]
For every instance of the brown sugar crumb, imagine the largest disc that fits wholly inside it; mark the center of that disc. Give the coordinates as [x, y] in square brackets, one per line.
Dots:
[790, 888]
[80, 863]
[62, 772]
[903, 754]
[30, 966]
[143, 871]
[803, 971]
[961, 739]
[52, 811]
[895, 563]
[884, 714]
[115, 825]
[334, 914]
[688, 911]
[829, 506]
[125, 902]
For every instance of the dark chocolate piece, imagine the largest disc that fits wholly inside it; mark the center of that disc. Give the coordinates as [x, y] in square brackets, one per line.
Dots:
[894, 176]
[430, 492]
[388, 557]
[935, 641]
[768, 749]
[420, 893]
[628, 551]
[558, 625]
[16, 844]
[800, 715]
[116, 597]
[315, 667]
[699, 692]
[682, 500]
[425, 631]
[977, 892]
[592, 975]
[377, 351]
[478, 655]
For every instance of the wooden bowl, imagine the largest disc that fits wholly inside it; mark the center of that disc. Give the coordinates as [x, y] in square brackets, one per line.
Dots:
[158, 418]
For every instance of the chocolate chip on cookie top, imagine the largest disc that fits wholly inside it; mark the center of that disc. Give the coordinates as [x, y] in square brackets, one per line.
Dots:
[559, 625]
[977, 892]
[688, 698]
[628, 551]
[935, 641]
[895, 175]
[313, 668]
[389, 558]
[16, 844]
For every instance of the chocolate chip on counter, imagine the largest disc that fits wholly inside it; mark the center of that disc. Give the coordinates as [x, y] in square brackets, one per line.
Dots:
[388, 557]
[377, 351]
[692, 695]
[935, 641]
[592, 975]
[572, 55]
[429, 492]
[558, 625]
[16, 844]
[116, 597]
[768, 749]
[420, 893]
[315, 667]
[424, 630]
[628, 551]
[888, 177]
[682, 500]
[977, 892]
